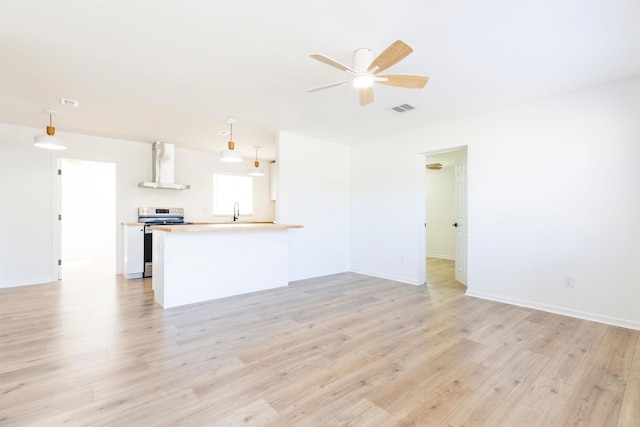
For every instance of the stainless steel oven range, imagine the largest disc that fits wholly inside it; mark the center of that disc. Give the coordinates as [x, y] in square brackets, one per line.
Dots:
[156, 216]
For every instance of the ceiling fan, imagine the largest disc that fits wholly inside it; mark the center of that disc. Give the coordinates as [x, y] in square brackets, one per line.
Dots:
[365, 70]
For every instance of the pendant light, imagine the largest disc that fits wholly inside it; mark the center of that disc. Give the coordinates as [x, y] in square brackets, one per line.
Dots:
[231, 155]
[256, 170]
[49, 141]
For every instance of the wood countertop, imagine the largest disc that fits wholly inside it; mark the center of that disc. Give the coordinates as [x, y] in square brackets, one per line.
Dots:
[224, 226]
[135, 223]
[231, 222]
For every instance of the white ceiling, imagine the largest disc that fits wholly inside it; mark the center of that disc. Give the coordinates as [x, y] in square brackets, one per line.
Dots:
[174, 71]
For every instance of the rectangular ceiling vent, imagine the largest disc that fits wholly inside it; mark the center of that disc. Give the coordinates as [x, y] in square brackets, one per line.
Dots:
[71, 103]
[402, 108]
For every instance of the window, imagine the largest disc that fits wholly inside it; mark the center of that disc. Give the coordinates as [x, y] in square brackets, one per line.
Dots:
[228, 189]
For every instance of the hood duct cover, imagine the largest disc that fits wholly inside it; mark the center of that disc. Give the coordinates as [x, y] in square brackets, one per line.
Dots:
[163, 168]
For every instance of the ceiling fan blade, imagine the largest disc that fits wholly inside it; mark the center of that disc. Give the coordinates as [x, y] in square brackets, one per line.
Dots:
[315, 89]
[404, 80]
[324, 58]
[391, 55]
[366, 95]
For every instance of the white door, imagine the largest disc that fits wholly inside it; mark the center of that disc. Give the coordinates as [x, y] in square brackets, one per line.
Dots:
[461, 218]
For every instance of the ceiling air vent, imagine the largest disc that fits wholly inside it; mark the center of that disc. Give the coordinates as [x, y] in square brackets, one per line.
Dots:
[71, 103]
[402, 108]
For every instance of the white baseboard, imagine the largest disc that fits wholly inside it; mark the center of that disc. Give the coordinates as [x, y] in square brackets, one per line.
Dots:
[29, 282]
[441, 256]
[624, 323]
[384, 276]
[316, 274]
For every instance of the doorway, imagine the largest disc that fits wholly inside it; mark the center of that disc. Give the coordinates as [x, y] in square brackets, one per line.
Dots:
[446, 218]
[87, 226]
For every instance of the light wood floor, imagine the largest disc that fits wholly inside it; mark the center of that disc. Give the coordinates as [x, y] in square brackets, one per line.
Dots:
[340, 350]
[442, 272]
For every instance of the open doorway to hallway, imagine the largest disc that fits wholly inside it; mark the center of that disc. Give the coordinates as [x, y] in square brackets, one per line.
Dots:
[441, 272]
[445, 217]
[87, 229]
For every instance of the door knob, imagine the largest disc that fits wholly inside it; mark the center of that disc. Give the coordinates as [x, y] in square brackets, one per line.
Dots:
[455, 224]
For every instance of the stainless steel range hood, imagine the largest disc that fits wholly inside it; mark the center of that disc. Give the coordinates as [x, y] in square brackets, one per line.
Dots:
[163, 168]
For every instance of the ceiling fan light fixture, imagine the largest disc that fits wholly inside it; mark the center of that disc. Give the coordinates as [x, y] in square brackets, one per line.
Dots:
[230, 155]
[362, 81]
[366, 71]
[49, 141]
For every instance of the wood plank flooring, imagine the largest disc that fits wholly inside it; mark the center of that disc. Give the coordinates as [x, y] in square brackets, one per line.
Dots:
[340, 350]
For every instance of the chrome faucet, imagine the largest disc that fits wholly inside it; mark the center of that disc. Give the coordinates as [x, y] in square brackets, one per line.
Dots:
[236, 211]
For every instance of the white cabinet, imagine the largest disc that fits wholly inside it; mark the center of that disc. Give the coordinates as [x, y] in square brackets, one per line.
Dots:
[133, 263]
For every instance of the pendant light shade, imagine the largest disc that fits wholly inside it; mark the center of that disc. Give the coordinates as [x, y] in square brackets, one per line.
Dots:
[230, 154]
[49, 141]
[256, 170]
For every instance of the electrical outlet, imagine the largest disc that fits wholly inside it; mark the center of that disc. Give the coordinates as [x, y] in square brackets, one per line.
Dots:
[569, 282]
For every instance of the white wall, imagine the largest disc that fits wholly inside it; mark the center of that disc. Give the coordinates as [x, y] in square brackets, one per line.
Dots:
[313, 190]
[387, 212]
[440, 212]
[553, 191]
[26, 215]
[28, 248]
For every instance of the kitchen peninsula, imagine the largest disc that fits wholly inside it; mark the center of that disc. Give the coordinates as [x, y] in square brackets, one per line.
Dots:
[201, 262]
